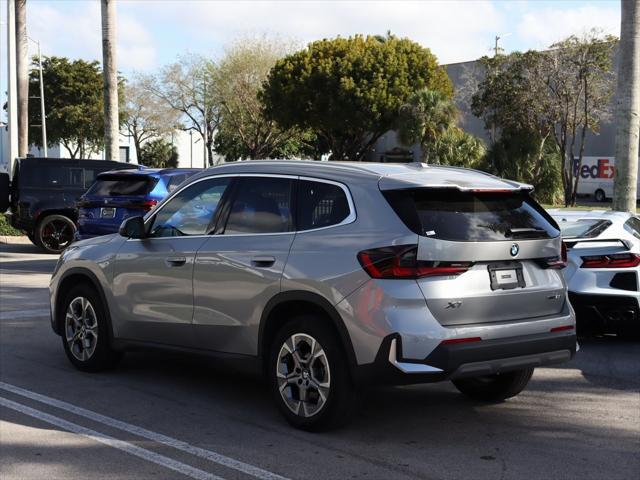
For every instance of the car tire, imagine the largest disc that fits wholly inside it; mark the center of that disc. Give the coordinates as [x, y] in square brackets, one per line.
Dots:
[33, 239]
[85, 330]
[308, 377]
[495, 388]
[600, 196]
[54, 233]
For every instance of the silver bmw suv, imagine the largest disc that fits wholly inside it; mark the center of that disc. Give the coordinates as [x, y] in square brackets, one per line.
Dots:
[327, 277]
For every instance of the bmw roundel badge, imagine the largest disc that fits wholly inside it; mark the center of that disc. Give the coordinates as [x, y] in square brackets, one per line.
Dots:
[515, 248]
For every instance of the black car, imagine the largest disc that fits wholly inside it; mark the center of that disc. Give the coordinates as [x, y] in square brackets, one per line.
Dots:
[43, 193]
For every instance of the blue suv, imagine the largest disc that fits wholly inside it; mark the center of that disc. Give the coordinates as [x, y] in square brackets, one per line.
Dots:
[117, 195]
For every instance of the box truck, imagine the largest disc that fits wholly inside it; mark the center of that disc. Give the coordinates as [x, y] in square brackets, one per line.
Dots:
[596, 177]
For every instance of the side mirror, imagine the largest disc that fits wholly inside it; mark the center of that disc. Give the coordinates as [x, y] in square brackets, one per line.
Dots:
[133, 227]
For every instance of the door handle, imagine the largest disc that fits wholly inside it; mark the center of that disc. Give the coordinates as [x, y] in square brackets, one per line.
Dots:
[263, 261]
[175, 261]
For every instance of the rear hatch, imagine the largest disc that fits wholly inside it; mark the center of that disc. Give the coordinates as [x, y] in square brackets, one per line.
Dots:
[111, 199]
[488, 256]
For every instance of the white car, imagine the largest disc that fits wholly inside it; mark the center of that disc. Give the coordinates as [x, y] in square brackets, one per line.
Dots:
[603, 253]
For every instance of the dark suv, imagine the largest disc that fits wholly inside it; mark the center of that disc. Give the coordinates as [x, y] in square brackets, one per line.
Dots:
[116, 196]
[43, 193]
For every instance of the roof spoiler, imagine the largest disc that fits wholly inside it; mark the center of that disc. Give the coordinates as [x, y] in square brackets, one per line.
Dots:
[570, 243]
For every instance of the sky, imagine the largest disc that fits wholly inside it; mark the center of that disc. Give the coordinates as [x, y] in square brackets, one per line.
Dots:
[152, 33]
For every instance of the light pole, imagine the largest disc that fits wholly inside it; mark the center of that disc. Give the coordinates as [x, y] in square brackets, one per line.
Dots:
[191, 148]
[43, 116]
[496, 50]
[206, 125]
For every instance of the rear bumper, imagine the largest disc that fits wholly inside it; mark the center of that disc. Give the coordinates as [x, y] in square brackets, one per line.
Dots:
[608, 313]
[452, 361]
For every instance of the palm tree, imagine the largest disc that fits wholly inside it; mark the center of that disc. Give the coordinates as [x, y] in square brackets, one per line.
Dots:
[110, 74]
[628, 109]
[426, 116]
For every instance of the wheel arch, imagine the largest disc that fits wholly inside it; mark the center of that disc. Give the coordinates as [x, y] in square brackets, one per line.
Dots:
[70, 213]
[284, 306]
[72, 277]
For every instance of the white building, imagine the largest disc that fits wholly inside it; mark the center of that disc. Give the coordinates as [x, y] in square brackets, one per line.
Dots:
[191, 152]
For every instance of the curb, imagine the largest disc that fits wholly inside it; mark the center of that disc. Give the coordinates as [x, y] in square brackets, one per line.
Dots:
[14, 240]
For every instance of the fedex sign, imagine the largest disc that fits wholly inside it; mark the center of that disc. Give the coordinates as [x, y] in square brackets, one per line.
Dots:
[603, 168]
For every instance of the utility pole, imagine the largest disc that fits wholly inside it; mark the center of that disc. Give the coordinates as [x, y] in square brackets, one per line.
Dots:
[43, 124]
[12, 85]
[206, 125]
[628, 109]
[110, 78]
[22, 72]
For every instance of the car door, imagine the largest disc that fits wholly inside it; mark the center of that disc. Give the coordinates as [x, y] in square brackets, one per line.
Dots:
[153, 277]
[238, 270]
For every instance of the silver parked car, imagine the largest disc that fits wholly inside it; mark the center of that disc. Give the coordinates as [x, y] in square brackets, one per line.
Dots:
[329, 276]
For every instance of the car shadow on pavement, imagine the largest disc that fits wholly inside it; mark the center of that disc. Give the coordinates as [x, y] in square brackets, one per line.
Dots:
[608, 361]
[21, 248]
[553, 428]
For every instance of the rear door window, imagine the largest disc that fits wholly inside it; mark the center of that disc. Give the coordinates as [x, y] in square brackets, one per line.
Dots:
[125, 185]
[451, 214]
[320, 205]
[261, 205]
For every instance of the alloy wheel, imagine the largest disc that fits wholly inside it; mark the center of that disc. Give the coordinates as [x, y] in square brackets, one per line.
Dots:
[56, 235]
[304, 378]
[81, 328]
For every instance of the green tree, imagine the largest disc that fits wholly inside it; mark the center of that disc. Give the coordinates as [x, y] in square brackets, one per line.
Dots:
[530, 99]
[513, 100]
[580, 79]
[244, 130]
[348, 91]
[146, 116]
[187, 86]
[455, 147]
[74, 105]
[426, 116]
[517, 156]
[159, 153]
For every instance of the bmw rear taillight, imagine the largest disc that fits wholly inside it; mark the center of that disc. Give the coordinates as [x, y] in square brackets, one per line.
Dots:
[616, 260]
[555, 262]
[400, 262]
[148, 204]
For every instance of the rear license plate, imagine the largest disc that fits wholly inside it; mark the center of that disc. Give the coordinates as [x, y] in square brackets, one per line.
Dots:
[506, 275]
[107, 212]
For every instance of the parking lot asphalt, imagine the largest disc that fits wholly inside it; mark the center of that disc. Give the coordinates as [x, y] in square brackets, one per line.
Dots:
[169, 416]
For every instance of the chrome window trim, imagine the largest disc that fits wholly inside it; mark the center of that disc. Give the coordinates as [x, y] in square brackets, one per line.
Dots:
[348, 219]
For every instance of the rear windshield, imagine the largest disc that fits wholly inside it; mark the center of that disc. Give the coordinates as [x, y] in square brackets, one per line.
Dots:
[113, 186]
[450, 214]
[583, 228]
